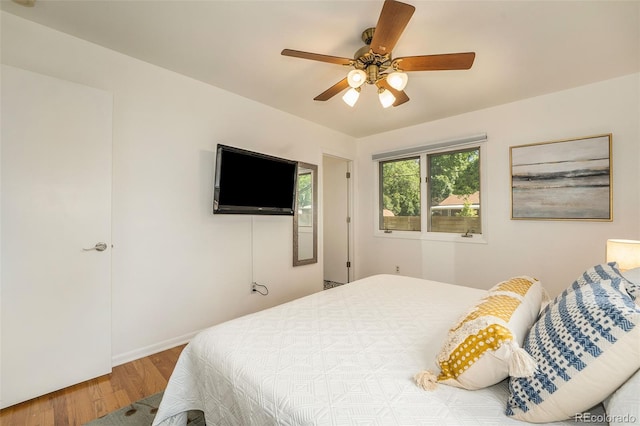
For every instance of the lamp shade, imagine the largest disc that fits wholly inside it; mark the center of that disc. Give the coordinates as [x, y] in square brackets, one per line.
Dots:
[625, 252]
[386, 98]
[356, 78]
[351, 97]
[398, 80]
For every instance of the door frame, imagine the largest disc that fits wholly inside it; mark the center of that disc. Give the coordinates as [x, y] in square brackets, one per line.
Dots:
[351, 272]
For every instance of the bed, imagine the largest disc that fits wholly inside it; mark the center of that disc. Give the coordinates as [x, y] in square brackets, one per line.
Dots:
[344, 356]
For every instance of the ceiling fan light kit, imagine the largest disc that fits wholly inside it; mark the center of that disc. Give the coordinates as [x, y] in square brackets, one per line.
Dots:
[351, 96]
[371, 62]
[398, 80]
[386, 97]
[356, 78]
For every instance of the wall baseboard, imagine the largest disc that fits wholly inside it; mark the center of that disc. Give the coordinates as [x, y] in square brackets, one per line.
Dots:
[151, 349]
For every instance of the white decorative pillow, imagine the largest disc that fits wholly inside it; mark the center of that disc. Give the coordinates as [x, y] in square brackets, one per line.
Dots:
[585, 345]
[484, 347]
[623, 407]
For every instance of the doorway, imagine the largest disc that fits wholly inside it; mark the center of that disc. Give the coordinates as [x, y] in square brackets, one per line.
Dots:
[56, 232]
[337, 221]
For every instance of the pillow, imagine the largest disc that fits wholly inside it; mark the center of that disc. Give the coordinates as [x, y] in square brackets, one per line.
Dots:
[633, 282]
[585, 347]
[484, 347]
[623, 407]
[605, 271]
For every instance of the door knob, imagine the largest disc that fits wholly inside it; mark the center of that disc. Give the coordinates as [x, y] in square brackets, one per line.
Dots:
[97, 247]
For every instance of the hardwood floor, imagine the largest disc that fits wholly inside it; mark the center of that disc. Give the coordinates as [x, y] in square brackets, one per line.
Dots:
[81, 403]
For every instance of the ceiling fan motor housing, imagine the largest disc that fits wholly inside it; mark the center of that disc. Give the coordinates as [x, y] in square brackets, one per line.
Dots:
[368, 61]
[367, 35]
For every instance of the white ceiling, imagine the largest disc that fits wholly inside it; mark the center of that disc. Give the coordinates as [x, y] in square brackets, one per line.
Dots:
[523, 49]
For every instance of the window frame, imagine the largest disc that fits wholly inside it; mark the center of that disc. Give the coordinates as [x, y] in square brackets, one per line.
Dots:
[429, 183]
[424, 233]
[380, 210]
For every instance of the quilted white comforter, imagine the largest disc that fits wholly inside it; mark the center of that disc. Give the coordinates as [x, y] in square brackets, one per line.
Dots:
[344, 356]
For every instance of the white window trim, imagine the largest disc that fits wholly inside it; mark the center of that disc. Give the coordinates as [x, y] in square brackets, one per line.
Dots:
[422, 151]
[437, 146]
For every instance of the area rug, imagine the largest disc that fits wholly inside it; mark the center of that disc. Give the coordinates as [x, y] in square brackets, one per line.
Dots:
[331, 284]
[142, 413]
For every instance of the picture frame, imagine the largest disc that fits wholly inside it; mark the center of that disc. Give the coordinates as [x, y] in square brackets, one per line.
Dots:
[569, 179]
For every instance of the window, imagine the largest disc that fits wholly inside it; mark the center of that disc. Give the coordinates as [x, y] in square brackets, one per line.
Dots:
[454, 191]
[449, 200]
[400, 194]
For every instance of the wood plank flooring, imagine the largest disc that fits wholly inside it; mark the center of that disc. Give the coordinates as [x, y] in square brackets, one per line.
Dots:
[81, 403]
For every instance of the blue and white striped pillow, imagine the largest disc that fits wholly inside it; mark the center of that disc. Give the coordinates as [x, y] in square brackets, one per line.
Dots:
[597, 273]
[586, 345]
[605, 271]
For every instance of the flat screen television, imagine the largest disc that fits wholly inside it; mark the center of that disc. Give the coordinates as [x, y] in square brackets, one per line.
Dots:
[248, 182]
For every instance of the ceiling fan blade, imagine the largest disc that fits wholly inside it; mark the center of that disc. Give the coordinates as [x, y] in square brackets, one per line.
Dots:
[393, 19]
[448, 61]
[333, 90]
[317, 57]
[400, 95]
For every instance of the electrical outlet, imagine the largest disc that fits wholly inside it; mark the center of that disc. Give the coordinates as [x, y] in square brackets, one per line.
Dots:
[397, 269]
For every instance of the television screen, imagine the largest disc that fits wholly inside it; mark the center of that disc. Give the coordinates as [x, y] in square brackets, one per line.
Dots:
[248, 182]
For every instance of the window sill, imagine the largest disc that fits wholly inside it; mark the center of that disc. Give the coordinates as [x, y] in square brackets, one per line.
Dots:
[432, 236]
[407, 235]
[456, 238]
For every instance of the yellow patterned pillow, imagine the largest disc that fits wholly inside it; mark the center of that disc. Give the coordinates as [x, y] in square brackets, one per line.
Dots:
[483, 348]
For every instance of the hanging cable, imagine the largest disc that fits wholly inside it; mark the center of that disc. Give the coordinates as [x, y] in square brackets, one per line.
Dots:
[254, 284]
[255, 289]
[252, 277]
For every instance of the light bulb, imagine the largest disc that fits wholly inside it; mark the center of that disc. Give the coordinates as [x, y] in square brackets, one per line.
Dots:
[356, 78]
[398, 80]
[386, 98]
[351, 97]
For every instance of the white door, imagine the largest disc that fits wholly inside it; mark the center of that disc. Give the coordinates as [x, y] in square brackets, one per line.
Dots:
[336, 222]
[56, 202]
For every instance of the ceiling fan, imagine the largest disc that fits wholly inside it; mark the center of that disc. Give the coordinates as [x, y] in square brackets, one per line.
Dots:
[373, 63]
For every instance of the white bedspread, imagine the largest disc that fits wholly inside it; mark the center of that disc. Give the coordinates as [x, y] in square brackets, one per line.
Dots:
[344, 356]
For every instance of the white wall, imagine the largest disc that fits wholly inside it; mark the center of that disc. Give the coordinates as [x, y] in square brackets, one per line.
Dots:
[554, 251]
[177, 268]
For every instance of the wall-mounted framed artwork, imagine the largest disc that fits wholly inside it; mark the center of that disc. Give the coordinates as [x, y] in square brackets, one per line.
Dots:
[567, 179]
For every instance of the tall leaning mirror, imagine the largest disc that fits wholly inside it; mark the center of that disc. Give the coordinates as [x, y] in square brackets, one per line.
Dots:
[305, 219]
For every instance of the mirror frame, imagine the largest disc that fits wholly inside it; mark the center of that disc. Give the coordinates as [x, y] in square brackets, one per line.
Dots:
[314, 212]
